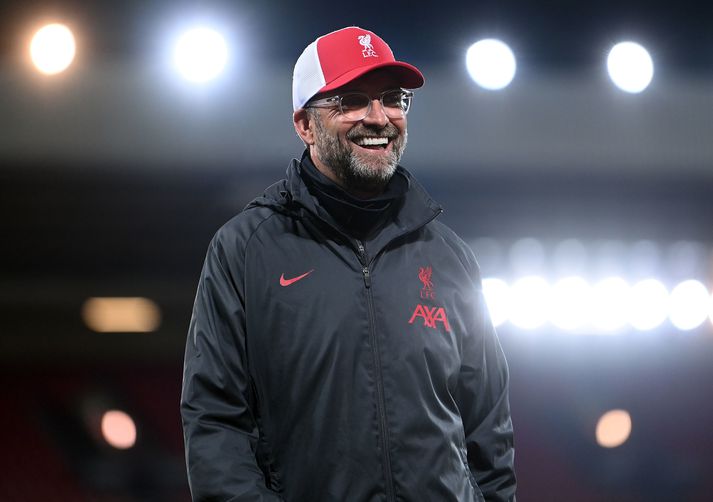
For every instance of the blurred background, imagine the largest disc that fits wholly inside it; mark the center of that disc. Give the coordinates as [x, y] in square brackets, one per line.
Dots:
[580, 171]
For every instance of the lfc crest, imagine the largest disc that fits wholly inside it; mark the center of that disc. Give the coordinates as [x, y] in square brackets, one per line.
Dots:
[368, 51]
[424, 275]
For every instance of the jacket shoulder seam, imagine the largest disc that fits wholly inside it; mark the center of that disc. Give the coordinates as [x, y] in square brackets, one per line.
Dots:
[462, 250]
[247, 243]
[257, 227]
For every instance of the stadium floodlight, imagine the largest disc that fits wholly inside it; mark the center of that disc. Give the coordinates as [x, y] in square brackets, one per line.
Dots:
[690, 302]
[52, 49]
[610, 301]
[530, 302]
[497, 297]
[630, 67]
[201, 54]
[491, 64]
[571, 303]
[648, 305]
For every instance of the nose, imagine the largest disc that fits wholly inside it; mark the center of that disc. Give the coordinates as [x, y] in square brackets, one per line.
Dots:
[376, 115]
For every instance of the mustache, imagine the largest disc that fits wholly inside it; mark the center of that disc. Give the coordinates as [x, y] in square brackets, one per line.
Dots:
[360, 131]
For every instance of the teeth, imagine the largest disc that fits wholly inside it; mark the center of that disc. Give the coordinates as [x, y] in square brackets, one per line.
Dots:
[372, 141]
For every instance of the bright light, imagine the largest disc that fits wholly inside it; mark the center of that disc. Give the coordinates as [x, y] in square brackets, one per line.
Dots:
[684, 258]
[644, 258]
[570, 256]
[52, 49]
[529, 300]
[201, 54]
[118, 429]
[497, 297]
[630, 67]
[489, 253]
[648, 304]
[613, 428]
[527, 256]
[571, 302]
[610, 301]
[609, 257]
[491, 64]
[689, 305]
[121, 315]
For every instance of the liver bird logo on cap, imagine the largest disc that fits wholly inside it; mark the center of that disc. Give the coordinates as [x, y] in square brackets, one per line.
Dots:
[368, 51]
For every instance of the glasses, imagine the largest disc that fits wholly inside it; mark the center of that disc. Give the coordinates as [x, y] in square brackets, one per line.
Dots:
[356, 106]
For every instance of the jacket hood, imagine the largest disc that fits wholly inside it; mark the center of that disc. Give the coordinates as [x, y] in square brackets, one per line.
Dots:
[276, 197]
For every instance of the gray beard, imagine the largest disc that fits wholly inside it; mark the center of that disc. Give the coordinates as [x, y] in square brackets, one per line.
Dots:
[354, 172]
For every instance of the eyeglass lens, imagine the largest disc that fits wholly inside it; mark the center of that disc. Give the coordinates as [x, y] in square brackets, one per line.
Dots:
[356, 105]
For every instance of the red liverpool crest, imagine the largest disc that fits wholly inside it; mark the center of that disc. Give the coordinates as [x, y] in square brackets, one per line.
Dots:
[424, 275]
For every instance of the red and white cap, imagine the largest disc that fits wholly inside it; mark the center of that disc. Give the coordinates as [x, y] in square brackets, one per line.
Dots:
[339, 57]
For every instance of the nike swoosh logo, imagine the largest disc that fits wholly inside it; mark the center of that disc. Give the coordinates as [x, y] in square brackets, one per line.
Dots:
[287, 282]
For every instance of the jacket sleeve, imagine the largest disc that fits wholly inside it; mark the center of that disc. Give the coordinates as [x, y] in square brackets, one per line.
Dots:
[219, 423]
[482, 397]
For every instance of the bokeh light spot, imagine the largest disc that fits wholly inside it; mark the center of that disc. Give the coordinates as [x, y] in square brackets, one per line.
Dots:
[52, 49]
[690, 302]
[571, 301]
[497, 297]
[121, 315]
[530, 302]
[648, 304]
[630, 67]
[613, 428]
[491, 64]
[610, 300]
[118, 429]
[201, 54]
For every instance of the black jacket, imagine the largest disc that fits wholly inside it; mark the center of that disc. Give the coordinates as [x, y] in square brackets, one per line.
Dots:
[323, 368]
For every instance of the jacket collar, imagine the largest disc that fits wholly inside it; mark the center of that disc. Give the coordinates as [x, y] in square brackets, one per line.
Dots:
[412, 211]
[359, 218]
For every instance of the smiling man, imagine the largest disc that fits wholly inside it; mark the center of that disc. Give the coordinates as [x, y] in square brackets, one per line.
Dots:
[340, 348]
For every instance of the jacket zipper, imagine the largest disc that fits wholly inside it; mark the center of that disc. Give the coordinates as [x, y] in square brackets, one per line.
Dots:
[381, 404]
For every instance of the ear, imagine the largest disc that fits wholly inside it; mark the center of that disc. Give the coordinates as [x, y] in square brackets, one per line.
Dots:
[303, 126]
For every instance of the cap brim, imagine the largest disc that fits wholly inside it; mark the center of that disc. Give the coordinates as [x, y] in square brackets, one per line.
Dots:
[407, 76]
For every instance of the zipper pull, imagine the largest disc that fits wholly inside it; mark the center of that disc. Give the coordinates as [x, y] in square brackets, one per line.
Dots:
[362, 251]
[367, 277]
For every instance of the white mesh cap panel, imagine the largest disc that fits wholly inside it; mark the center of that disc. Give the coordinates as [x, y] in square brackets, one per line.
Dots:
[307, 78]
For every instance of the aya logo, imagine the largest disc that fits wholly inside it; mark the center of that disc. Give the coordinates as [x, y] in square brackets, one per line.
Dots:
[430, 316]
[424, 275]
[368, 51]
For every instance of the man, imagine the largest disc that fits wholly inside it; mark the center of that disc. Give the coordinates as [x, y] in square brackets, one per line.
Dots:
[339, 348]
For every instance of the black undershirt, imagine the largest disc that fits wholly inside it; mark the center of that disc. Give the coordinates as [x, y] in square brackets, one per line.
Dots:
[360, 218]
